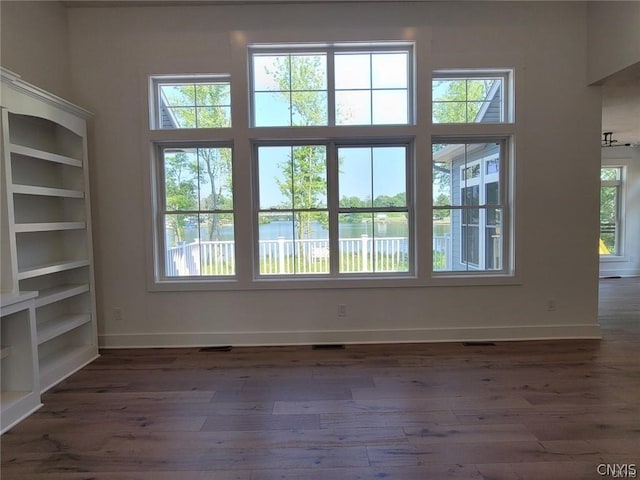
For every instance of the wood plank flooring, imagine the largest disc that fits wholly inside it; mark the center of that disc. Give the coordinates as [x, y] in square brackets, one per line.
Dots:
[515, 410]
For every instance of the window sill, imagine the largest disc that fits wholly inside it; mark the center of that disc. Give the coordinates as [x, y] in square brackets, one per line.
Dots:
[261, 284]
[613, 258]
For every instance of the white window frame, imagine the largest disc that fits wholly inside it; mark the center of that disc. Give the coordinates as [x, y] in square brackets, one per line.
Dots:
[334, 210]
[505, 181]
[156, 81]
[619, 184]
[507, 100]
[159, 201]
[331, 50]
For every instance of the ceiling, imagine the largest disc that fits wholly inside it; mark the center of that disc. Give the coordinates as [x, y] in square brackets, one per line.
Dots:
[621, 105]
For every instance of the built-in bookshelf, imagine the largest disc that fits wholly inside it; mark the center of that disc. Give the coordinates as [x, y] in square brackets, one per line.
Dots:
[20, 393]
[46, 223]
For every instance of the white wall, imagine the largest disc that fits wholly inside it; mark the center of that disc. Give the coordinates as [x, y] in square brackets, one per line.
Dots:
[628, 264]
[114, 49]
[35, 44]
[613, 38]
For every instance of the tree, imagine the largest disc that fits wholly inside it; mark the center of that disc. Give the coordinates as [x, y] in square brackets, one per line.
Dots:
[459, 101]
[303, 179]
[180, 190]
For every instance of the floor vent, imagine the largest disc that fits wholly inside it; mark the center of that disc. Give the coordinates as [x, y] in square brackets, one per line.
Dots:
[333, 346]
[224, 348]
[479, 344]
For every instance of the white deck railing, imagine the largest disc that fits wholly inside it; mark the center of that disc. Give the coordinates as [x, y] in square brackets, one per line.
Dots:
[282, 256]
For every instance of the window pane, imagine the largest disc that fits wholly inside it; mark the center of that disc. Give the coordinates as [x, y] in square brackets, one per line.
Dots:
[442, 242]
[293, 243]
[275, 243]
[608, 220]
[271, 109]
[352, 71]
[492, 196]
[389, 177]
[265, 73]
[449, 112]
[390, 70]
[308, 72]
[389, 107]
[312, 242]
[442, 175]
[181, 117]
[290, 90]
[181, 180]
[610, 173]
[177, 95]
[213, 117]
[355, 177]
[391, 242]
[274, 172]
[217, 254]
[309, 108]
[355, 242]
[308, 177]
[182, 254]
[493, 248]
[215, 189]
[194, 105]
[478, 89]
[209, 94]
[353, 107]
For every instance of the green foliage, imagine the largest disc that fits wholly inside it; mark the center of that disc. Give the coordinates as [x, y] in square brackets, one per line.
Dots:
[459, 101]
[180, 191]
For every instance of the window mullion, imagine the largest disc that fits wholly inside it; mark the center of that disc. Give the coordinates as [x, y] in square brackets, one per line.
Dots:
[333, 207]
[331, 87]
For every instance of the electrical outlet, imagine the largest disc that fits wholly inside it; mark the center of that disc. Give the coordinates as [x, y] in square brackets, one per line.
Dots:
[117, 314]
[342, 310]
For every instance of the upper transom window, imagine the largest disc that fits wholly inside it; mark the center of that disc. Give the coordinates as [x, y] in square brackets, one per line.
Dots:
[337, 85]
[470, 97]
[191, 102]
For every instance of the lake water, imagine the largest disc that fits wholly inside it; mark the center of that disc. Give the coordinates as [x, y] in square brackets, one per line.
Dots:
[276, 229]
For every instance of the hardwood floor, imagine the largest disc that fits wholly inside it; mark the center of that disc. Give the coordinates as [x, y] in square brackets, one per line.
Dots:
[515, 410]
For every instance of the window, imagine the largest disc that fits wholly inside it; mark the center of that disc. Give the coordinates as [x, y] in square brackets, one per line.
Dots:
[196, 211]
[313, 223]
[469, 206]
[292, 216]
[191, 102]
[327, 172]
[610, 211]
[470, 97]
[336, 85]
[373, 213]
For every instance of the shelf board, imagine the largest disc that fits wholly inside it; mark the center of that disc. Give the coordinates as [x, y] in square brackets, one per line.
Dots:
[49, 226]
[5, 351]
[51, 268]
[61, 292]
[60, 364]
[47, 191]
[44, 155]
[61, 325]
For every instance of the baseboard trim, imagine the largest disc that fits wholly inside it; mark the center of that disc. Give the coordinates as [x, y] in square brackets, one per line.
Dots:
[421, 335]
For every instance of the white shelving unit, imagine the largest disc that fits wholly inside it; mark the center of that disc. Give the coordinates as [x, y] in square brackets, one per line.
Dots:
[46, 224]
[20, 393]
